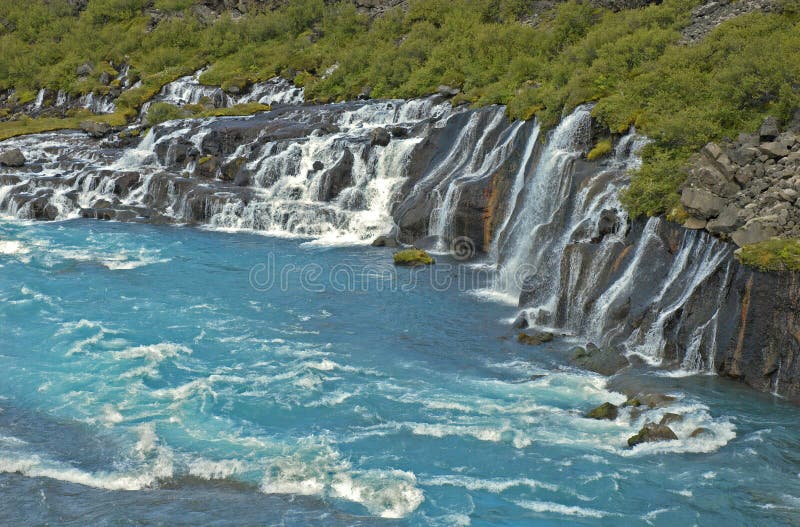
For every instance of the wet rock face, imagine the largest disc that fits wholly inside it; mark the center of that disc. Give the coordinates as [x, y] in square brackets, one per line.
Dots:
[747, 191]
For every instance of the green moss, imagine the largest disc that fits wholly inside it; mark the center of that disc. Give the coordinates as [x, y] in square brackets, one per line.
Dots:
[772, 255]
[601, 149]
[604, 411]
[412, 257]
[203, 160]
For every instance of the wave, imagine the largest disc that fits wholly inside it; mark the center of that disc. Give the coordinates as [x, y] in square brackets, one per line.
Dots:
[558, 508]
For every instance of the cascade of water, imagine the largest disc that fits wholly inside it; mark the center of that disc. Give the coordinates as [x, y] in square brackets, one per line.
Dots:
[519, 183]
[189, 90]
[39, 99]
[545, 194]
[477, 167]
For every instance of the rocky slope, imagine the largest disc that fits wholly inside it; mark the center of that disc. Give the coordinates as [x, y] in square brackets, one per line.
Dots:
[748, 190]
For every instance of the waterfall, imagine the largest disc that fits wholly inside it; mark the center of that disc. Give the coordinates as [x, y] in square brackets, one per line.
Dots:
[480, 162]
[560, 243]
[189, 90]
[545, 194]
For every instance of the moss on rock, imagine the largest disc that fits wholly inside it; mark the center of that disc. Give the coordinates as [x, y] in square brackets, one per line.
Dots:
[412, 257]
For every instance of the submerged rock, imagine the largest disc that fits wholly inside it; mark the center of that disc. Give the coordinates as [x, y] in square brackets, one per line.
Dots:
[12, 158]
[534, 338]
[385, 241]
[699, 432]
[669, 418]
[412, 257]
[652, 432]
[604, 411]
[606, 361]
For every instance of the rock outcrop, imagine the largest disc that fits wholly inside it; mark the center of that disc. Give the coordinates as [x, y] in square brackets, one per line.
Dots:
[749, 190]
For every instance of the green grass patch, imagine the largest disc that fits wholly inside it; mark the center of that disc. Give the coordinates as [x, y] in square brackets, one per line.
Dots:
[601, 149]
[772, 255]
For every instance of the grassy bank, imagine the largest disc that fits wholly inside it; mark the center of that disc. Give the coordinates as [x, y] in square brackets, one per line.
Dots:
[631, 62]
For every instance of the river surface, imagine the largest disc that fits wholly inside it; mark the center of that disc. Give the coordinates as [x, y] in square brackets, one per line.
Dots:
[179, 376]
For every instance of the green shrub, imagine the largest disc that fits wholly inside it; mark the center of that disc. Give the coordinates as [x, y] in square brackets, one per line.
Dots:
[160, 112]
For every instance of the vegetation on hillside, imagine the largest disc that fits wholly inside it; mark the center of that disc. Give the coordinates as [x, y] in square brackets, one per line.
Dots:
[772, 255]
[631, 63]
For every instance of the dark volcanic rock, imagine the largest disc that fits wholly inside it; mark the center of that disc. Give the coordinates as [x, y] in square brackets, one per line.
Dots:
[604, 411]
[337, 178]
[606, 361]
[652, 432]
[534, 338]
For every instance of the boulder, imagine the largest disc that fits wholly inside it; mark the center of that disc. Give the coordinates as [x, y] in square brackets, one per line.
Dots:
[727, 221]
[652, 432]
[317, 166]
[95, 129]
[380, 137]
[84, 69]
[104, 78]
[743, 155]
[774, 149]
[534, 338]
[337, 178]
[699, 432]
[754, 231]
[701, 202]
[651, 400]
[608, 223]
[448, 91]
[385, 241]
[695, 223]
[521, 322]
[399, 131]
[769, 129]
[412, 257]
[606, 361]
[604, 411]
[12, 158]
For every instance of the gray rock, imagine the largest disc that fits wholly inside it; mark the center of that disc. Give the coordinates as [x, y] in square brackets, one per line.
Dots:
[379, 136]
[695, 223]
[104, 78]
[652, 432]
[95, 129]
[744, 155]
[606, 361]
[84, 69]
[788, 194]
[756, 230]
[534, 338]
[604, 411]
[769, 129]
[448, 91]
[701, 202]
[385, 241]
[12, 158]
[727, 221]
[774, 149]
